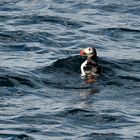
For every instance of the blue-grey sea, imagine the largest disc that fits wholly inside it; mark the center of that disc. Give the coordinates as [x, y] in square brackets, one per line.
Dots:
[42, 95]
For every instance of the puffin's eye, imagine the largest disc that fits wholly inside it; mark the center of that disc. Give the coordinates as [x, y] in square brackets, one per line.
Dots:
[89, 49]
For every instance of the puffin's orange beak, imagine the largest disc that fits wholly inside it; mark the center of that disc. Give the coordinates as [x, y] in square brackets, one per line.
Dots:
[82, 53]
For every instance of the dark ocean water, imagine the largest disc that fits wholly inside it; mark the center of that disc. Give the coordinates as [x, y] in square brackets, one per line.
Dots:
[42, 96]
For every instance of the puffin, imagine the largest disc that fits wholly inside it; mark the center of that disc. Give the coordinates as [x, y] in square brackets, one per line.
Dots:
[90, 69]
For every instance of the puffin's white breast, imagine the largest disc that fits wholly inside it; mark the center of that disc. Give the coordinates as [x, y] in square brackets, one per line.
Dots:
[82, 68]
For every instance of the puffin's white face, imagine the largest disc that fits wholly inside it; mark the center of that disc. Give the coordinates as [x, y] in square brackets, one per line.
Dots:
[87, 52]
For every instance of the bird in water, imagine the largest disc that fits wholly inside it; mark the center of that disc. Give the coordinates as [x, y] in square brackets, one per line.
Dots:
[90, 69]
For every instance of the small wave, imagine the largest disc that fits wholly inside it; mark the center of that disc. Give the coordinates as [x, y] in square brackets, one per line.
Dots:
[14, 78]
[16, 36]
[20, 47]
[98, 135]
[35, 19]
[14, 47]
[9, 9]
[12, 136]
[118, 33]
[5, 82]
[136, 79]
[25, 40]
[113, 31]
[71, 64]
[72, 112]
[65, 73]
[122, 30]
[4, 18]
[22, 80]
[37, 118]
[84, 116]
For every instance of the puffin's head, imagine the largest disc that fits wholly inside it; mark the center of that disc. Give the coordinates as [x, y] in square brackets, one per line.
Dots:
[88, 52]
